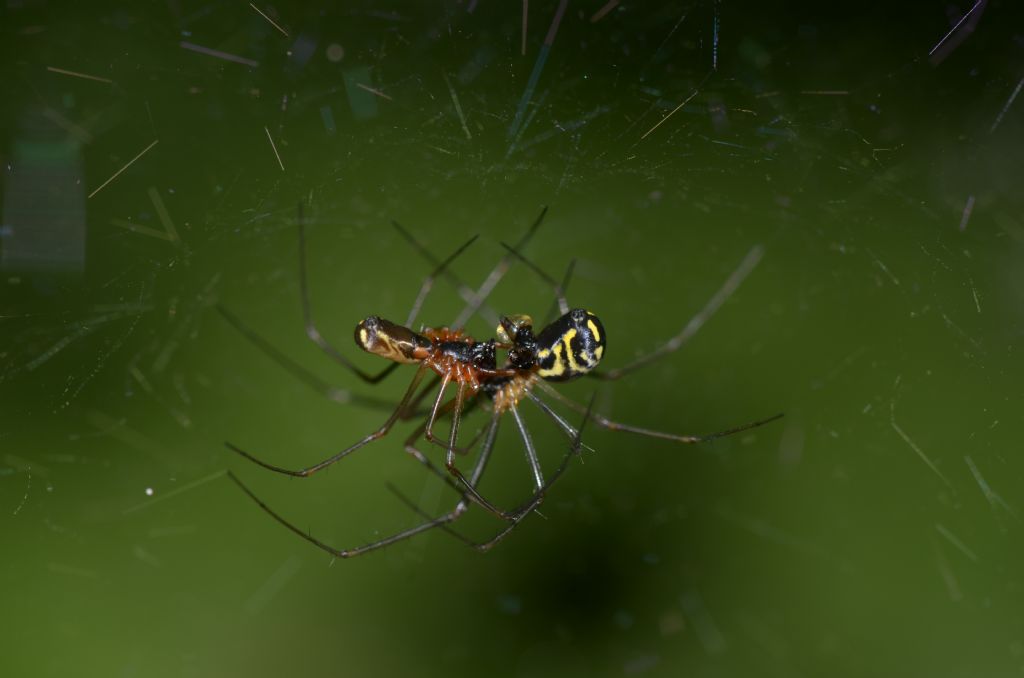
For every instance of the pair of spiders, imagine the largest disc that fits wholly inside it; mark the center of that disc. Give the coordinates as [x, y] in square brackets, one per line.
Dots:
[569, 347]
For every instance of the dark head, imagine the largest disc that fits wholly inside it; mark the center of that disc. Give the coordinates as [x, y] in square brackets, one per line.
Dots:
[570, 346]
[517, 330]
[394, 342]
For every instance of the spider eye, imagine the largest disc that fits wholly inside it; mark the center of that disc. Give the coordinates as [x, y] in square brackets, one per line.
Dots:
[571, 346]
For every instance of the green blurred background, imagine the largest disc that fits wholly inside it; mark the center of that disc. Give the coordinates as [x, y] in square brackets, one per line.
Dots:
[874, 531]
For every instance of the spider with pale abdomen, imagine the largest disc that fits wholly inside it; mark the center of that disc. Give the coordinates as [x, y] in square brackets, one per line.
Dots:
[570, 347]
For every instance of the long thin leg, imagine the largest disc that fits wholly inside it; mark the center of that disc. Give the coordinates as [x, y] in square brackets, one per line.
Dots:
[449, 458]
[485, 454]
[488, 434]
[462, 506]
[455, 407]
[531, 451]
[379, 433]
[307, 317]
[495, 276]
[428, 282]
[566, 427]
[451, 449]
[464, 291]
[302, 374]
[413, 408]
[616, 426]
[563, 305]
[531, 456]
[696, 322]
[475, 300]
[415, 453]
[329, 391]
[560, 304]
[453, 435]
[530, 505]
[339, 553]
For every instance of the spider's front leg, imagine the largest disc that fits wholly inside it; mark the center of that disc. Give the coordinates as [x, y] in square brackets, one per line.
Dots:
[464, 484]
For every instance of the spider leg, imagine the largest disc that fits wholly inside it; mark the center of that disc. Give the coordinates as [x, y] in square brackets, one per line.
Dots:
[481, 462]
[617, 426]
[575, 436]
[339, 553]
[428, 282]
[413, 410]
[379, 433]
[489, 437]
[475, 300]
[462, 505]
[534, 502]
[449, 460]
[696, 322]
[531, 451]
[437, 410]
[559, 287]
[443, 521]
[467, 294]
[496, 274]
[326, 389]
[560, 305]
[466, 449]
[307, 317]
[463, 485]
[566, 427]
[302, 374]
[487, 434]
[415, 453]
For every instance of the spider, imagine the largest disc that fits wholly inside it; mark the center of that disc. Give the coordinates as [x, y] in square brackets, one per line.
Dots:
[569, 347]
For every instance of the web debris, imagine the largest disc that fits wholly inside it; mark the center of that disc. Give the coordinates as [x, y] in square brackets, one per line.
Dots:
[920, 453]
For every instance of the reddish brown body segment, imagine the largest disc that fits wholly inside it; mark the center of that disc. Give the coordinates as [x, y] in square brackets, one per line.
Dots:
[445, 363]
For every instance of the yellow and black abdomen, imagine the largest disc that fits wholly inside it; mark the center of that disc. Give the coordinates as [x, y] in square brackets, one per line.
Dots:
[570, 346]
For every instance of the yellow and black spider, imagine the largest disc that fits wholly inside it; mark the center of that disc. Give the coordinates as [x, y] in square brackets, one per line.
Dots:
[571, 346]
